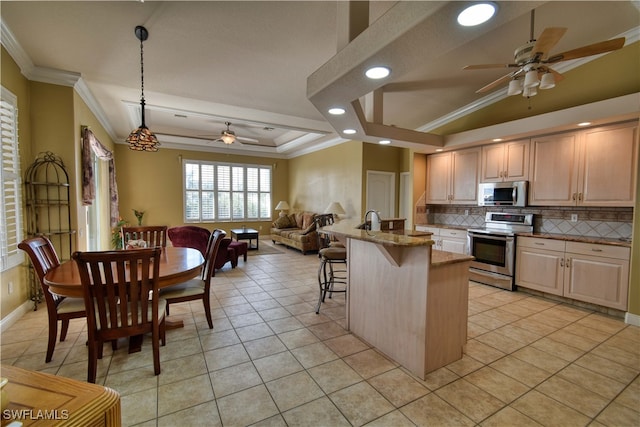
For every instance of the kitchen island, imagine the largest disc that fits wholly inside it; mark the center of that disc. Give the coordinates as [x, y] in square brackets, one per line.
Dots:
[405, 299]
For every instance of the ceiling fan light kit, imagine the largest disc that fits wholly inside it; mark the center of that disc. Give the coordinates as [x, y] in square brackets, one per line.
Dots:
[548, 81]
[142, 139]
[228, 136]
[515, 87]
[531, 60]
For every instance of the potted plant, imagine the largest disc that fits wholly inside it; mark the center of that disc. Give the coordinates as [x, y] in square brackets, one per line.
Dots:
[116, 234]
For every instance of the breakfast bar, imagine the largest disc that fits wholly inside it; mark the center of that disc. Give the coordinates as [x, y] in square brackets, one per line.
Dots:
[405, 299]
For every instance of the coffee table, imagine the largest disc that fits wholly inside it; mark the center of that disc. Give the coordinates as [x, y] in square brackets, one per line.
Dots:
[246, 234]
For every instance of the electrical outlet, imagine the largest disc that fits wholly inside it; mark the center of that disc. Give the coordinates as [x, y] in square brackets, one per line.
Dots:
[260, 228]
[466, 212]
[10, 288]
[574, 217]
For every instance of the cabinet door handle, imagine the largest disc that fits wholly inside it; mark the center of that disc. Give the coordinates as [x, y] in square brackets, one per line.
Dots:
[568, 262]
[561, 262]
[538, 243]
[596, 250]
[580, 196]
[573, 196]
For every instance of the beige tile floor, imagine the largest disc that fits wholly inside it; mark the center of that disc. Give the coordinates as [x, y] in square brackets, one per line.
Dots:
[271, 361]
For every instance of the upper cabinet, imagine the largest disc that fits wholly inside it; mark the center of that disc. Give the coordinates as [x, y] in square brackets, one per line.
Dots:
[452, 177]
[508, 161]
[595, 167]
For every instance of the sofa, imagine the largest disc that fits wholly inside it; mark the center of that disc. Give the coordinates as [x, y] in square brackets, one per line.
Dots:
[296, 230]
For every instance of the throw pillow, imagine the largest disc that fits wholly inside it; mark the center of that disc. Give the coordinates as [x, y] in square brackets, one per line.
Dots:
[309, 229]
[307, 219]
[299, 220]
[282, 222]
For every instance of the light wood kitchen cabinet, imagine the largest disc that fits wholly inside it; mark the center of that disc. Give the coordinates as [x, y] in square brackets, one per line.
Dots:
[588, 272]
[447, 239]
[597, 274]
[508, 161]
[452, 178]
[540, 265]
[595, 167]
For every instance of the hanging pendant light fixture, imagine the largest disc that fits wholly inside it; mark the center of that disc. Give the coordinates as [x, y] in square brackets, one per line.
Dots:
[142, 139]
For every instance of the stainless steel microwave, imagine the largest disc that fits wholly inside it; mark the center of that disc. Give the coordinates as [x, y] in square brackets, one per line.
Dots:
[503, 194]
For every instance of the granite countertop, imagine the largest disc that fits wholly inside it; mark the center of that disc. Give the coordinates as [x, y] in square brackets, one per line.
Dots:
[348, 229]
[439, 258]
[452, 227]
[581, 239]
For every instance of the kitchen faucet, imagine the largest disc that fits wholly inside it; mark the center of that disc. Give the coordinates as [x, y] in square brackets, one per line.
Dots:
[375, 220]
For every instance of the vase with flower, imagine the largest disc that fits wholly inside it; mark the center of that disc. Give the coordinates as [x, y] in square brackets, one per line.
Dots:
[139, 215]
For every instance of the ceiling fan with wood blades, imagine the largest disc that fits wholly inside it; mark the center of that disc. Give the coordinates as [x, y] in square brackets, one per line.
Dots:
[532, 62]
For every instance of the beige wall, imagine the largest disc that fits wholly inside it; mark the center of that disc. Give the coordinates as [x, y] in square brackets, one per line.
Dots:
[152, 182]
[333, 174]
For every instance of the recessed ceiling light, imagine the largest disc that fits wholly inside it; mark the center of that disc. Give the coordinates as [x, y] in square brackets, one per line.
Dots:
[349, 131]
[584, 124]
[377, 72]
[497, 139]
[336, 111]
[439, 149]
[476, 14]
[384, 142]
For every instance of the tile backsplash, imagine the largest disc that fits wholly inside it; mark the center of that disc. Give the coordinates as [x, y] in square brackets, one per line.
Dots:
[614, 223]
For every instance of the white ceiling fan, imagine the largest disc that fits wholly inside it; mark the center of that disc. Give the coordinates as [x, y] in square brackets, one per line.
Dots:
[229, 137]
[532, 62]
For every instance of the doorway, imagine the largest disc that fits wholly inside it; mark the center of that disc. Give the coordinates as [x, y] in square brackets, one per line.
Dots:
[381, 193]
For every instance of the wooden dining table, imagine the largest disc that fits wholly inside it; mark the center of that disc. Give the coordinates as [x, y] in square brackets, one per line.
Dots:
[176, 266]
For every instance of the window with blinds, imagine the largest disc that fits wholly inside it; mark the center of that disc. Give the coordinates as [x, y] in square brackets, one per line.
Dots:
[11, 184]
[226, 192]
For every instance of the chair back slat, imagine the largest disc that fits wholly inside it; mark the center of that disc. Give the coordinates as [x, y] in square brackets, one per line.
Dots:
[43, 258]
[209, 268]
[120, 290]
[153, 235]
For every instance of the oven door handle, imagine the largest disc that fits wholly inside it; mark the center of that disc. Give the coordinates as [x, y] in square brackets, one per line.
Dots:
[491, 237]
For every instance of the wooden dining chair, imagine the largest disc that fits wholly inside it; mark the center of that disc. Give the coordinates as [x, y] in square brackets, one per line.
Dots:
[44, 258]
[121, 301]
[154, 235]
[198, 288]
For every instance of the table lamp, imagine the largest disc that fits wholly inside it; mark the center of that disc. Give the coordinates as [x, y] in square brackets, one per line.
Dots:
[282, 206]
[336, 209]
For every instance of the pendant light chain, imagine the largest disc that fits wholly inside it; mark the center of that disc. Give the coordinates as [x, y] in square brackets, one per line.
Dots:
[142, 78]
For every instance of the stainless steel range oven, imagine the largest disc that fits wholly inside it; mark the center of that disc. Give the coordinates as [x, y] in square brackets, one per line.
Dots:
[494, 248]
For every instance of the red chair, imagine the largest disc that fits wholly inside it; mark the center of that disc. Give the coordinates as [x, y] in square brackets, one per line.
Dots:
[189, 236]
[225, 254]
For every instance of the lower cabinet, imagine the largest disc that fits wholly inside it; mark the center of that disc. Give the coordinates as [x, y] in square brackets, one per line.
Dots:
[592, 273]
[447, 239]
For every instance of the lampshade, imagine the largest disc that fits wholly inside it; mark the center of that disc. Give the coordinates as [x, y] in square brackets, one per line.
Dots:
[282, 206]
[229, 139]
[142, 139]
[528, 92]
[335, 208]
[548, 81]
[515, 87]
[531, 79]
